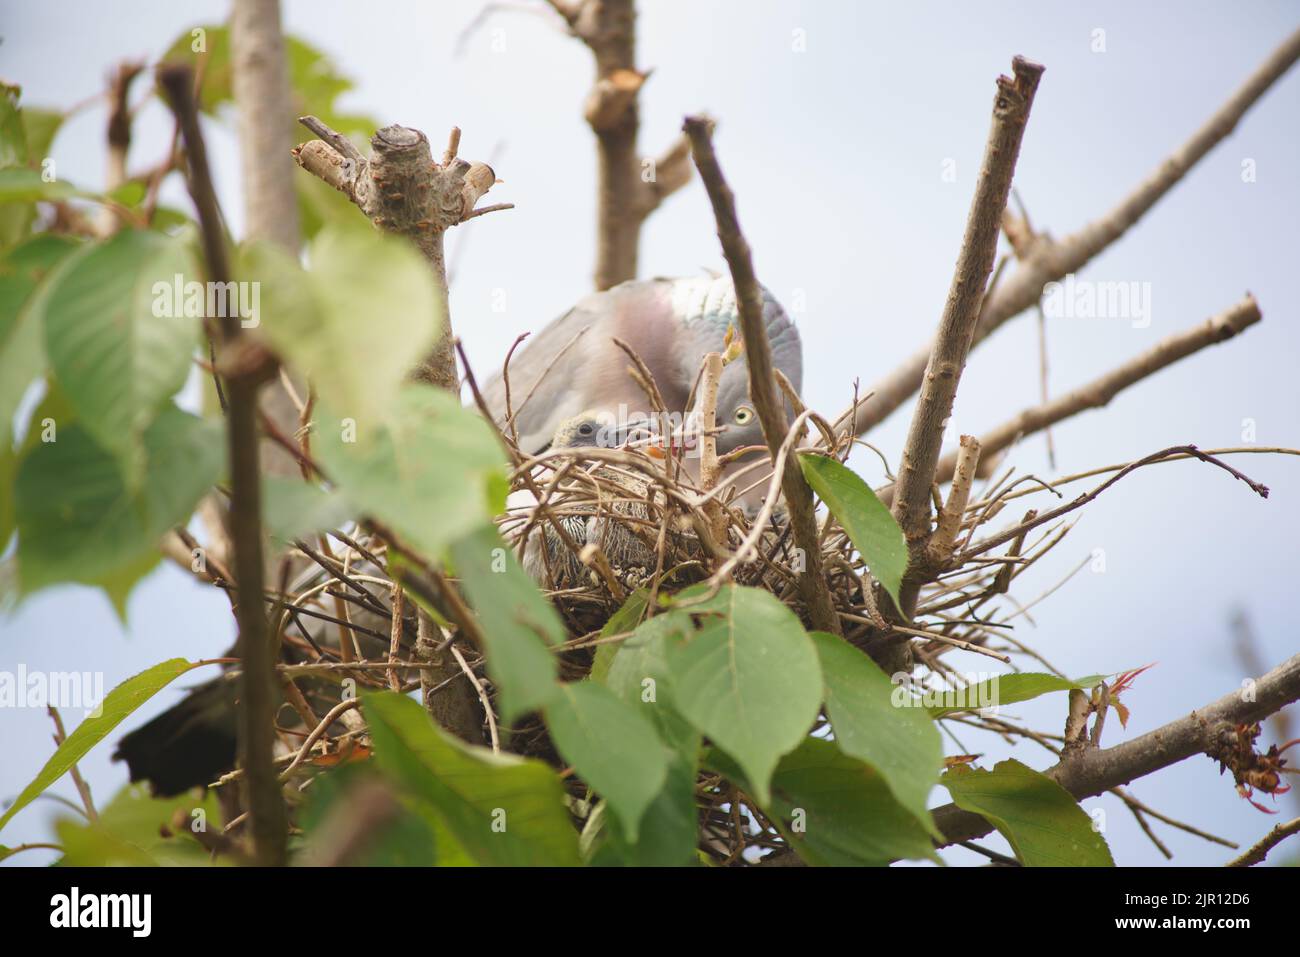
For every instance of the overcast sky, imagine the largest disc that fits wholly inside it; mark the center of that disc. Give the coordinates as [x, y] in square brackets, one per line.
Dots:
[837, 149]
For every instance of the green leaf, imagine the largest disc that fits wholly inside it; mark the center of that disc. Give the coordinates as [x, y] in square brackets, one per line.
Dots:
[1043, 823]
[117, 705]
[623, 620]
[893, 735]
[22, 353]
[639, 674]
[432, 472]
[40, 126]
[999, 690]
[18, 184]
[834, 810]
[13, 132]
[613, 747]
[356, 323]
[407, 839]
[864, 517]
[669, 832]
[79, 522]
[503, 810]
[136, 829]
[749, 679]
[517, 621]
[314, 79]
[118, 345]
[292, 508]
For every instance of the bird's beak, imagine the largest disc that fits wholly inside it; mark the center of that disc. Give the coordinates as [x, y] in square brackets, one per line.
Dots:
[641, 433]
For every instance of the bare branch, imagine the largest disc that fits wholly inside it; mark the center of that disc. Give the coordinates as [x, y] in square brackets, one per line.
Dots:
[260, 81]
[83, 789]
[625, 194]
[954, 510]
[403, 191]
[986, 544]
[1050, 260]
[762, 386]
[1269, 841]
[257, 679]
[916, 469]
[1090, 771]
[1099, 392]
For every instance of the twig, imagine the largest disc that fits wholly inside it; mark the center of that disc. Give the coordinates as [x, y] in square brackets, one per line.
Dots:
[83, 789]
[482, 697]
[256, 691]
[331, 716]
[762, 386]
[916, 470]
[1099, 392]
[1091, 771]
[954, 510]
[625, 198]
[1269, 841]
[978, 548]
[1050, 261]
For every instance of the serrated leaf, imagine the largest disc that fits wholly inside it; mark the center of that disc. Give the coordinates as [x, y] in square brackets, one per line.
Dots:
[613, 747]
[431, 471]
[22, 352]
[835, 810]
[1040, 819]
[1003, 689]
[870, 722]
[406, 839]
[749, 679]
[292, 508]
[517, 621]
[623, 620]
[137, 829]
[23, 272]
[13, 134]
[79, 522]
[18, 184]
[119, 347]
[639, 674]
[503, 810]
[356, 323]
[669, 832]
[864, 517]
[118, 704]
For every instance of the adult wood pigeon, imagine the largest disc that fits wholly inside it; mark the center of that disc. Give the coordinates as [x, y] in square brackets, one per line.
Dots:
[572, 367]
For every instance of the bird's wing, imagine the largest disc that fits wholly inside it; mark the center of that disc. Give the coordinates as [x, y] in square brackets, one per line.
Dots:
[706, 306]
[572, 366]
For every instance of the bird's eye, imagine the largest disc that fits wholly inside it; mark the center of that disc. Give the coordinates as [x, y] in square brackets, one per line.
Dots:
[744, 415]
[586, 429]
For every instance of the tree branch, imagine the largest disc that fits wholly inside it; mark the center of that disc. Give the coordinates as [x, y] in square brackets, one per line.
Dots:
[1091, 771]
[1050, 260]
[1099, 392]
[1272, 839]
[625, 194]
[256, 710]
[403, 191]
[762, 386]
[260, 82]
[916, 469]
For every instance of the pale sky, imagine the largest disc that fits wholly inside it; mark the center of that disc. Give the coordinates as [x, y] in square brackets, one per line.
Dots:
[836, 154]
